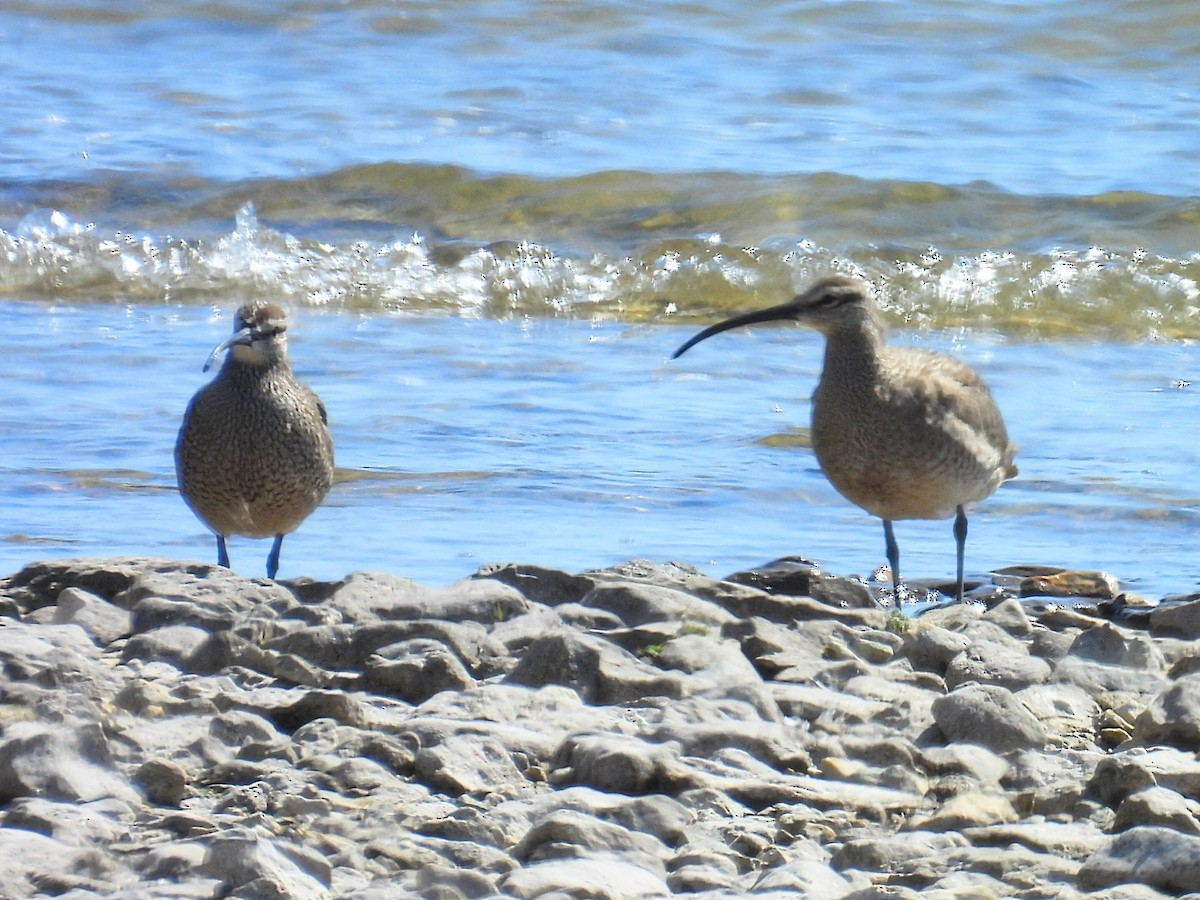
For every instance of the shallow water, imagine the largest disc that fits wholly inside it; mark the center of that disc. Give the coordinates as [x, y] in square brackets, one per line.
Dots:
[462, 442]
[494, 221]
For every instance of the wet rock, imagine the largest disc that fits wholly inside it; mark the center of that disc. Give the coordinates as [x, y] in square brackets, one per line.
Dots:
[1098, 585]
[798, 577]
[1176, 617]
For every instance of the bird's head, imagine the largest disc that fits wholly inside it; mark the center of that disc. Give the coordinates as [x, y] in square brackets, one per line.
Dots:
[259, 336]
[831, 305]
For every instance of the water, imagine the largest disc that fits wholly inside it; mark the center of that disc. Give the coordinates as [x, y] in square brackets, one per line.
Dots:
[493, 222]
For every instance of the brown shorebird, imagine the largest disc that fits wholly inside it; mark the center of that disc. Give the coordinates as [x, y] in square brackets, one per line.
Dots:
[902, 432]
[254, 455]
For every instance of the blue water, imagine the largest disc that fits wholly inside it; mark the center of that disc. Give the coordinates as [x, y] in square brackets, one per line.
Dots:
[1053, 98]
[1019, 181]
[464, 442]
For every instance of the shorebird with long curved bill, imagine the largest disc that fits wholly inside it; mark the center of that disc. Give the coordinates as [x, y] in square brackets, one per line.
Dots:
[254, 455]
[903, 432]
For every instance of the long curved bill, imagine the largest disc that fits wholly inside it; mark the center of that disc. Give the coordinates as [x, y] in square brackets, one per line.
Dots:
[770, 314]
[245, 336]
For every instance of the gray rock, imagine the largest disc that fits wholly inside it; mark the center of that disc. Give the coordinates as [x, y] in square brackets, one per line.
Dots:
[163, 781]
[104, 621]
[465, 765]
[178, 645]
[1010, 615]
[1063, 709]
[1174, 716]
[931, 648]
[774, 648]
[989, 715]
[415, 670]
[992, 662]
[435, 881]
[600, 671]
[254, 866]
[1176, 617]
[798, 577]
[30, 860]
[746, 602]
[549, 586]
[569, 833]
[76, 824]
[805, 878]
[40, 583]
[1099, 678]
[1159, 857]
[616, 764]
[1113, 646]
[635, 604]
[365, 597]
[1064, 840]
[895, 853]
[599, 877]
[1124, 773]
[718, 669]
[66, 761]
[314, 705]
[1158, 806]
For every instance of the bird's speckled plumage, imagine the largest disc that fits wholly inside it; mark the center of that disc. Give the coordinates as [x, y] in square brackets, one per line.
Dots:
[254, 455]
[903, 433]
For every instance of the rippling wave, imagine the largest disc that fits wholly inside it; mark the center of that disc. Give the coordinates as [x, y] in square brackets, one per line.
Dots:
[617, 246]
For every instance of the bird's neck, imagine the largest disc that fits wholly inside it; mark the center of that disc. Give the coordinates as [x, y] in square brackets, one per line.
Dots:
[852, 354]
[257, 371]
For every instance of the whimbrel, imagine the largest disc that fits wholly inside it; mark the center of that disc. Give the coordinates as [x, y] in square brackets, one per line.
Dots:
[902, 432]
[254, 455]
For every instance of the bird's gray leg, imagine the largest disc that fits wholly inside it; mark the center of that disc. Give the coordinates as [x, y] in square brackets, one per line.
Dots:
[273, 556]
[222, 553]
[893, 557]
[960, 538]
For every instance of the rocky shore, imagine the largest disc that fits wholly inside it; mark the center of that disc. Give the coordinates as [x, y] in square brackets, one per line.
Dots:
[174, 730]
